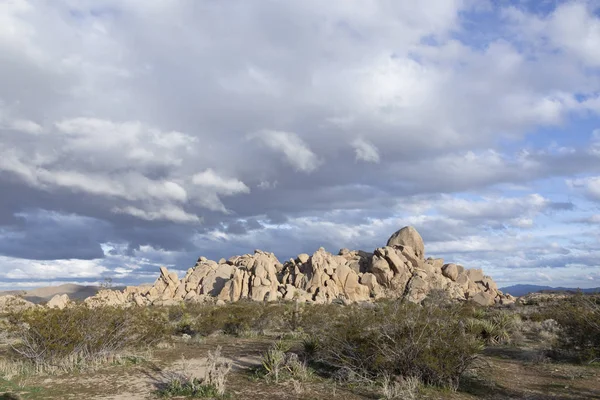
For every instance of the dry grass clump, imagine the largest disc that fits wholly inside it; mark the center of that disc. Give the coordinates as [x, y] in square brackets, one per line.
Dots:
[63, 340]
[211, 385]
[402, 388]
[280, 363]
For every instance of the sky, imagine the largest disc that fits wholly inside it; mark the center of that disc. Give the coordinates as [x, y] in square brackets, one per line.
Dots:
[140, 133]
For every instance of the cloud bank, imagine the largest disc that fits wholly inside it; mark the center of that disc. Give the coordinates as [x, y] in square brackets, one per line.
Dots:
[135, 134]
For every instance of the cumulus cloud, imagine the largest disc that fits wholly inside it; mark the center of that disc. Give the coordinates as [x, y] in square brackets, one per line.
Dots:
[210, 180]
[365, 151]
[590, 186]
[572, 27]
[295, 151]
[212, 185]
[474, 121]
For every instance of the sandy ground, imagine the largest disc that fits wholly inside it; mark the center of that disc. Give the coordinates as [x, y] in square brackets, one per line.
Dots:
[501, 373]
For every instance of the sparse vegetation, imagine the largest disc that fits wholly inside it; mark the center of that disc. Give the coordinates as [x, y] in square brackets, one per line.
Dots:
[579, 321]
[181, 386]
[211, 385]
[404, 388]
[80, 337]
[494, 327]
[278, 362]
[399, 339]
[388, 349]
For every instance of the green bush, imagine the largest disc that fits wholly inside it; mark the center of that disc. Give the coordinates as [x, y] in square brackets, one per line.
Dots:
[397, 339]
[495, 326]
[72, 337]
[242, 318]
[579, 333]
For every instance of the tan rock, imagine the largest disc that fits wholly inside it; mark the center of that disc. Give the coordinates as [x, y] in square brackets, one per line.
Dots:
[417, 289]
[408, 236]
[59, 301]
[381, 269]
[463, 282]
[290, 292]
[370, 281]
[450, 271]
[303, 258]
[483, 298]
[411, 256]
[112, 298]
[475, 275]
[214, 281]
[396, 260]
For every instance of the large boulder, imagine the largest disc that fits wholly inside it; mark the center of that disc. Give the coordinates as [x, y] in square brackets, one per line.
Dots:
[59, 301]
[450, 271]
[408, 237]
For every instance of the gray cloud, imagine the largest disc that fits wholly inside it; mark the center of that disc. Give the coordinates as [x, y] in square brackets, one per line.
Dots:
[140, 133]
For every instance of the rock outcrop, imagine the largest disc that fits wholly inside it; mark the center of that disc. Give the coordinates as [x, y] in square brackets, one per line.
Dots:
[10, 303]
[59, 301]
[398, 270]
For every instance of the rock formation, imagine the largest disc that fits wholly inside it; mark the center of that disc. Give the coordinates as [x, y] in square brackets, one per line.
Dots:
[10, 303]
[398, 270]
[59, 301]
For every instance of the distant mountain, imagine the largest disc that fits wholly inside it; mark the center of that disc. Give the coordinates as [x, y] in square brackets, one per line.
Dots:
[522, 290]
[43, 294]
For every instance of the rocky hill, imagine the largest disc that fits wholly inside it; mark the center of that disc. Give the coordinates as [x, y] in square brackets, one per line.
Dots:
[397, 270]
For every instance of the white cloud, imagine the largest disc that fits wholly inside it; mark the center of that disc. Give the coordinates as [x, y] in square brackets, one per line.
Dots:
[572, 27]
[26, 126]
[266, 185]
[212, 186]
[225, 186]
[130, 140]
[500, 208]
[46, 270]
[169, 213]
[295, 151]
[590, 185]
[365, 151]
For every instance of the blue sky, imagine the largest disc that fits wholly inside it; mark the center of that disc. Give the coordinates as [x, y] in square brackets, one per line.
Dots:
[135, 134]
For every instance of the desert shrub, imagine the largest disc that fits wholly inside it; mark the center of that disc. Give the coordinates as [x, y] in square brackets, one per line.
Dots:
[312, 319]
[279, 363]
[240, 318]
[579, 333]
[75, 337]
[495, 327]
[310, 345]
[396, 339]
[273, 362]
[178, 386]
